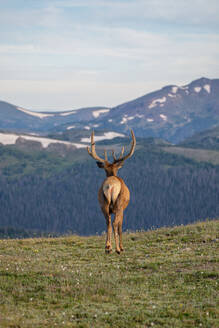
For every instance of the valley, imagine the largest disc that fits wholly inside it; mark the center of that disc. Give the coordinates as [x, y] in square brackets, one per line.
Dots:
[45, 191]
[46, 174]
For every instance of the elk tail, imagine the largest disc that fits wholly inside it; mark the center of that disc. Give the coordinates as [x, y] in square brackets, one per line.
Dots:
[107, 193]
[111, 190]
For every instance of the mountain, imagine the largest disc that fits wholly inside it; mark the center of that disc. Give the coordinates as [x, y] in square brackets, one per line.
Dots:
[48, 183]
[34, 141]
[173, 113]
[16, 118]
[208, 139]
[62, 143]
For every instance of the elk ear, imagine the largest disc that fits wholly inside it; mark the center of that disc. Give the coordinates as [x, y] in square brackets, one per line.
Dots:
[100, 165]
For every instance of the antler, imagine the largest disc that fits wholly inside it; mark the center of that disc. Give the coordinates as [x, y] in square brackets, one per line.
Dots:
[121, 158]
[131, 152]
[93, 153]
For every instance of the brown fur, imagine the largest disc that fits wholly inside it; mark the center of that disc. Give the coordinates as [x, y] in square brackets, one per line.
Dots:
[113, 195]
[117, 207]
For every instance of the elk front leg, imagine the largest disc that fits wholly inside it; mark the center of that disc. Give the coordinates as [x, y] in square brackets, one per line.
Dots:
[108, 247]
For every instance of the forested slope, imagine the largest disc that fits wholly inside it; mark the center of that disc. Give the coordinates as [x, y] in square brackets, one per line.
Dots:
[61, 196]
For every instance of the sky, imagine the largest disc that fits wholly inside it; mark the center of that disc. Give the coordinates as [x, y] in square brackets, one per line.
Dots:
[68, 54]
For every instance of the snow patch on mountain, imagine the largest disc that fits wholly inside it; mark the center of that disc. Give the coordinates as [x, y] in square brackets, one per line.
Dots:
[150, 119]
[197, 89]
[106, 135]
[139, 115]
[98, 112]
[129, 118]
[67, 113]
[174, 89]
[10, 139]
[40, 115]
[171, 96]
[124, 120]
[155, 102]
[207, 87]
[164, 117]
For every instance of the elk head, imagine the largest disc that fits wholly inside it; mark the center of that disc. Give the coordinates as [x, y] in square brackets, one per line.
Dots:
[111, 169]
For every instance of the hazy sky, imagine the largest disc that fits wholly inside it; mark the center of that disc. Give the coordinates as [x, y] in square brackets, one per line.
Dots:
[66, 54]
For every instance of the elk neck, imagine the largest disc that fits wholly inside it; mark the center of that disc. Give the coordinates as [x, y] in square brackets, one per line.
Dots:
[111, 171]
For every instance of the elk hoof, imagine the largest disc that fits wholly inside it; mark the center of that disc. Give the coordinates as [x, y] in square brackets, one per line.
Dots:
[108, 250]
[118, 251]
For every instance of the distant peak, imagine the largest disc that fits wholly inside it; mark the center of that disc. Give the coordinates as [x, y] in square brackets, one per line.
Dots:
[201, 81]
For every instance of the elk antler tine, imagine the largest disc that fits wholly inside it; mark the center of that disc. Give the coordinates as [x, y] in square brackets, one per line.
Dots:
[92, 139]
[88, 149]
[122, 152]
[113, 154]
[92, 151]
[131, 150]
[105, 155]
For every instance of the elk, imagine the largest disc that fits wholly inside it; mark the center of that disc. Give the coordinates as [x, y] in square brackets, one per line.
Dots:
[113, 195]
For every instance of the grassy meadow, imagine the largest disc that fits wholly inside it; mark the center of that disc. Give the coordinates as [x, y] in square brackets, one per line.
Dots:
[165, 278]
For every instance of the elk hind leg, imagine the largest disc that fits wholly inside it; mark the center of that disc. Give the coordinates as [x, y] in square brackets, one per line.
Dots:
[108, 247]
[120, 233]
[116, 222]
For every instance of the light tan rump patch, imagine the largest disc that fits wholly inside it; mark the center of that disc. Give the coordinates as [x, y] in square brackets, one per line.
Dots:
[111, 189]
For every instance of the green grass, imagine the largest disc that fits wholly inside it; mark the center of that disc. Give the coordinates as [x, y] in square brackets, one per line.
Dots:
[165, 278]
[15, 163]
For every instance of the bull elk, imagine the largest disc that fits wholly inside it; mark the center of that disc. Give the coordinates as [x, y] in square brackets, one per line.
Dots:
[113, 195]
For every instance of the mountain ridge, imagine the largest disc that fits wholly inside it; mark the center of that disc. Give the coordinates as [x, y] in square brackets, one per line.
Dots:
[172, 113]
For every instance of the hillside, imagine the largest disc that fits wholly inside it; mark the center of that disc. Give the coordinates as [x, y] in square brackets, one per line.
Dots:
[16, 118]
[173, 113]
[43, 191]
[197, 154]
[208, 139]
[165, 278]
